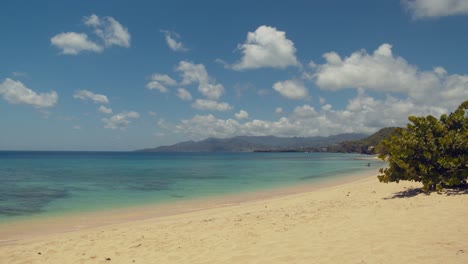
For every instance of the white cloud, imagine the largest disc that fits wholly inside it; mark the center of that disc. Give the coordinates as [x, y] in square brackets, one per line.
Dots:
[382, 71]
[163, 78]
[120, 121]
[204, 104]
[159, 82]
[404, 90]
[196, 73]
[183, 94]
[152, 113]
[72, 43]
[327, 107]
[216, 127]
[88, 95]
[307, 75]
[278, 110]
[202, 126]
[291, 89]
[266, 47]
[242, 114]
[363, 114]
[304, 111]
[435, 8]
[440, 71]
[211, 91]
[105, 110]
[153, 85]
[312, 64]
[109, 30]
[171, 40]
[16, 92]
[92, 21]
[192, 73]
[77, 127]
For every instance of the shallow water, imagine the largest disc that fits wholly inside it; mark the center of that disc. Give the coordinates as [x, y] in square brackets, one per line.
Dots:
[39, 184]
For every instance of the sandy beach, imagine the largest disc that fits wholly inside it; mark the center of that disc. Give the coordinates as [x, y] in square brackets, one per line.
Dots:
[362, 221]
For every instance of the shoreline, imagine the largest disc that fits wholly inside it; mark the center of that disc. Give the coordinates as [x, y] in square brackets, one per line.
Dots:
[361, 221]
[25, 229]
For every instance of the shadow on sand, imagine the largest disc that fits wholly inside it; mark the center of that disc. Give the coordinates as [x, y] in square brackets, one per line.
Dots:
[412, 192]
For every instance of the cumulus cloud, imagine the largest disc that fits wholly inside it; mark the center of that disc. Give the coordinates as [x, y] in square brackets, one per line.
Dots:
[171, 40]
[88, 95]
[435, 8]
[242, 114]
[184, 95]
[159, 82]
[402, 88]
[266, 47]
[304, 111]
[198, 123]
[327, 107]
[440, 71]
[278, 110]
[120, 121]
[204, 104]
[105, 110]
[291, 89]
[157, 86]
[201, 126]
[362, 114]
[72, 43]
[196, 73]
[109, 30]
[16, 92]
[384, 72]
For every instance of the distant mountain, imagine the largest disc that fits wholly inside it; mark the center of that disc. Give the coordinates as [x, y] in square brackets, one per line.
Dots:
[255, 143]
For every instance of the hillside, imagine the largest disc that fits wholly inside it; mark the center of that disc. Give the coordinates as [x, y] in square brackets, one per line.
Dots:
[255, 143]
[366, 145]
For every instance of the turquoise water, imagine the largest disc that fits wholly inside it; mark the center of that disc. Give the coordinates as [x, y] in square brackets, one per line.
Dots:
[36, 184]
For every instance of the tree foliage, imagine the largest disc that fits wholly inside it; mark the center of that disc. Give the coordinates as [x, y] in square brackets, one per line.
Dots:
[430, 150]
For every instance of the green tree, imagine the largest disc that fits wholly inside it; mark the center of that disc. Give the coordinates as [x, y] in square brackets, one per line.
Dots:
[430, 150]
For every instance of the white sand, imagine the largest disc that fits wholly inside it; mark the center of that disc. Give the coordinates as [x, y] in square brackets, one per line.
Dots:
[357, 222]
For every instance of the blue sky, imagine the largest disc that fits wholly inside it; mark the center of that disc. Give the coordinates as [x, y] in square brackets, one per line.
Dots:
[123, 75]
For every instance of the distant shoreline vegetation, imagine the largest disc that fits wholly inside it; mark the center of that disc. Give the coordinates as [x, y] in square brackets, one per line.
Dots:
[342, 143]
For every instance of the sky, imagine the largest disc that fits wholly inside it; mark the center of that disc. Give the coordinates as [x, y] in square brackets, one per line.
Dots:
[125, 75]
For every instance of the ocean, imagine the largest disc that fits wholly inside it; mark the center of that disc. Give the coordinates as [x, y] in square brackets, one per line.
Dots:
[42, 184]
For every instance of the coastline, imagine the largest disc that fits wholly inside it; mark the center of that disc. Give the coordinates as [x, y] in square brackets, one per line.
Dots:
[25, 229]
[360, 221]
